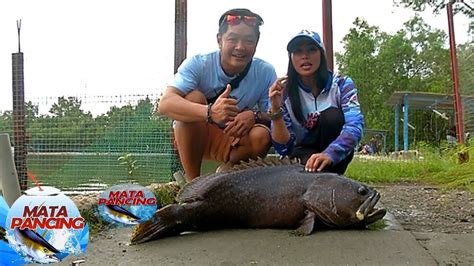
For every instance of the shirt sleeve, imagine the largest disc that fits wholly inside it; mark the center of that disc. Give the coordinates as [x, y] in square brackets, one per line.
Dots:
[285, 149]
[187, 77]
[352, 130]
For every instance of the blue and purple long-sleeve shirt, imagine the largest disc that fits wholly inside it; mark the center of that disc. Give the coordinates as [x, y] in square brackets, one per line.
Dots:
[339, 92]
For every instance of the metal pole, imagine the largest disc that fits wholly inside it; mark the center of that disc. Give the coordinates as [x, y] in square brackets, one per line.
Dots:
[180, 47]
[397, 118]
[19, 113]
[454, 75]
[180, 32]
[405, 123]
[327, 32]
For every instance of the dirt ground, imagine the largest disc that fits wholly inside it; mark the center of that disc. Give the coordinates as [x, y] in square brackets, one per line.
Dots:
[421, 208]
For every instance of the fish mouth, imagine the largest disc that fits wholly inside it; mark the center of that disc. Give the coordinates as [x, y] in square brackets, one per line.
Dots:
[53, 258]
[367, 212]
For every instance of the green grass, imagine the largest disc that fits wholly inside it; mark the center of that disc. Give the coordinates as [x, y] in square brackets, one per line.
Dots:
[444, 170]
[79, 170]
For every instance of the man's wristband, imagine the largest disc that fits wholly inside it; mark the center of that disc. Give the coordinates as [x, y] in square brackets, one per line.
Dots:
[257, 117]
[275, 116]
[209, 117]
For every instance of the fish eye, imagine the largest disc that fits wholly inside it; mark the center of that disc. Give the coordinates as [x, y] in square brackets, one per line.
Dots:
[45, 250]
[363, 191]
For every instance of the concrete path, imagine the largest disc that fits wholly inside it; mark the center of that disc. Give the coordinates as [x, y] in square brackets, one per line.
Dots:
[391, 246]
[272, 247]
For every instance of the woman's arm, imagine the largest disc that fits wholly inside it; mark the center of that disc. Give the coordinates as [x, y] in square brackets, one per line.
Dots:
[352, 130]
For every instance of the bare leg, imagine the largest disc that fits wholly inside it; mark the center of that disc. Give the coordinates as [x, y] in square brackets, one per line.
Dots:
[255, 144]
[191, 140]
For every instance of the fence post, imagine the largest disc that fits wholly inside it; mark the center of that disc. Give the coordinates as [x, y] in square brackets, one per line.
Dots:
[8, 177]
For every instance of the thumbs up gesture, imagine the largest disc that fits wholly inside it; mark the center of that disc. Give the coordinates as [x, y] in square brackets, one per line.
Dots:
[225, 108]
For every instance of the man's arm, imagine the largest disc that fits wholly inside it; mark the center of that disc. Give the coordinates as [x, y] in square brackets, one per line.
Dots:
[175, 106]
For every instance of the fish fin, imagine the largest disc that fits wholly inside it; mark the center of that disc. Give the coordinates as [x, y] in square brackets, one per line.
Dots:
[167, 221]
[262, 162]
[312, 201]
[306, 224]
[197, 189]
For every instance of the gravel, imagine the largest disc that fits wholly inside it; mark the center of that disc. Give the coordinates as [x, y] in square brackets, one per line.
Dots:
[422, 208]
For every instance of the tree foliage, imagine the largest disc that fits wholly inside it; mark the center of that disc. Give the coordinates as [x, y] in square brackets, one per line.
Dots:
[412, 59]
[436, 5]
[439, 6]
[67, 128]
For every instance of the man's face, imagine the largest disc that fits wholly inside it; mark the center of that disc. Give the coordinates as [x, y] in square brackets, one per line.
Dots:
[237, 45]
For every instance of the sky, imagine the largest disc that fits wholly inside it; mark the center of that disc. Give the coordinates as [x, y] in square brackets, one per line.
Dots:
[110, 47]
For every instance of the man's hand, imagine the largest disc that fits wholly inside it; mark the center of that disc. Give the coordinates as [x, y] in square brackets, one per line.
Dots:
[317, 162]
[241, 125]
[224, 109]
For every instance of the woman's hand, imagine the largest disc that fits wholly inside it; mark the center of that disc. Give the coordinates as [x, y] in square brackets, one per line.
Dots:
[317, 162]
[275, 93]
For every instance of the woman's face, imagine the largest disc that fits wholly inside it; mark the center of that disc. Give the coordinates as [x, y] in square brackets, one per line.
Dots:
[306, 58]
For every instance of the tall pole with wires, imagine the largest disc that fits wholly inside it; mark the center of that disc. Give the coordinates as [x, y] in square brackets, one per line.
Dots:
[19, 132]
[327, 32]
[454, 75]
[180, 47]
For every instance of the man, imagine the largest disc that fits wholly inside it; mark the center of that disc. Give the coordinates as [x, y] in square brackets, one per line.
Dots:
[214, 120]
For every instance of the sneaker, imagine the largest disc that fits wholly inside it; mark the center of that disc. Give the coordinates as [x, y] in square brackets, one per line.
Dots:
[224, 167]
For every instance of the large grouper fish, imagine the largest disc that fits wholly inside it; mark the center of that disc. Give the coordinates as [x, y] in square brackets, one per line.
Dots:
[268, 193]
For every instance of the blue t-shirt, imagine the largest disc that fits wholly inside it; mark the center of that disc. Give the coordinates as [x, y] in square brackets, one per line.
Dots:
[204, 73]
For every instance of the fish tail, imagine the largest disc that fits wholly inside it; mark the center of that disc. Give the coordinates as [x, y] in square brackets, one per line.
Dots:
[166, 221]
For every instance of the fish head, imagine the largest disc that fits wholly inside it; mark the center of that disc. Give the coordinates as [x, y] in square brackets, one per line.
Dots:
[342, 202]
[44, 255]
[121, 215]
[35, 246]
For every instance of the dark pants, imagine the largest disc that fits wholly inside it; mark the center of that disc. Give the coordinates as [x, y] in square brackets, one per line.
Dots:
[327, 129]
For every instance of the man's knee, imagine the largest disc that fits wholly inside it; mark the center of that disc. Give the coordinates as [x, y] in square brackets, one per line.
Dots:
[260, 140]
[196, 96]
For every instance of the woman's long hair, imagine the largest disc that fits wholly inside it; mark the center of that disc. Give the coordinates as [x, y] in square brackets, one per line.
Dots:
[321, 76]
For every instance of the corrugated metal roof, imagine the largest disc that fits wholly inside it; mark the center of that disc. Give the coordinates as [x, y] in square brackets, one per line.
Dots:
[425, 100]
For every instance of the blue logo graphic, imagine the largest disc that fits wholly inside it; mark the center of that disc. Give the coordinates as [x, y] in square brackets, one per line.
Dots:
[127, 204]
[44, 226]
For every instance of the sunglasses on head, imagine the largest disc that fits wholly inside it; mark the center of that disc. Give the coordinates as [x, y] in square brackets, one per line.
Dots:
[237, 19]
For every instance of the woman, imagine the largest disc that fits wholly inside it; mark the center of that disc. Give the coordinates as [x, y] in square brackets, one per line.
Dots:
[315, 115]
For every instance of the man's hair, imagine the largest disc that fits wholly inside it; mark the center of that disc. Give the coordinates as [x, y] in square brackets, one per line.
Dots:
[223, 26]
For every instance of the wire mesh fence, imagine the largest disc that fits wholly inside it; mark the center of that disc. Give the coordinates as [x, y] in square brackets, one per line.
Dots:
[466, 84]
[468, 109]
[74, 145]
